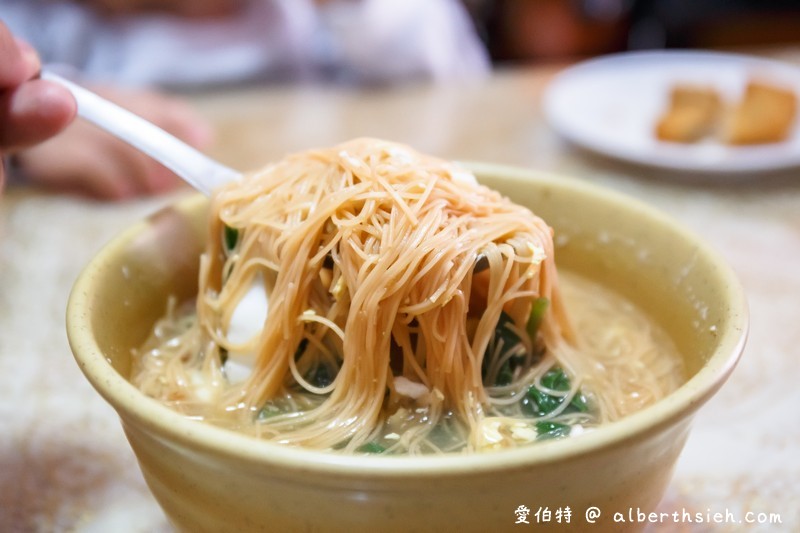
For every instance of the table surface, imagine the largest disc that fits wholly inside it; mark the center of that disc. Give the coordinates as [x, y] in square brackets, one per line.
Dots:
[65, 463]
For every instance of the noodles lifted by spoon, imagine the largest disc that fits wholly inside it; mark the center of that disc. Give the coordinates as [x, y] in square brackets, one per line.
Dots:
[408, 306]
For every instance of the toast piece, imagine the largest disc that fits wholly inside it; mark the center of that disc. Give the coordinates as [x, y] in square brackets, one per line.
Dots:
[693, 113]
[766, 114]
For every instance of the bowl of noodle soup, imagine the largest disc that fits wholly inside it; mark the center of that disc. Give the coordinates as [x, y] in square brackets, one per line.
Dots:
[435, 347]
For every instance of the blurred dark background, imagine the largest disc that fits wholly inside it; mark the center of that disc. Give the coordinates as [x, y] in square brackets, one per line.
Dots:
[523, 30]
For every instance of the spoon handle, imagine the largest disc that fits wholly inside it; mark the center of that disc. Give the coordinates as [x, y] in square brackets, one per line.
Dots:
[194, 167]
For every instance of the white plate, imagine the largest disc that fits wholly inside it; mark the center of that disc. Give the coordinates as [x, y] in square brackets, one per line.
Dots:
[610, 105]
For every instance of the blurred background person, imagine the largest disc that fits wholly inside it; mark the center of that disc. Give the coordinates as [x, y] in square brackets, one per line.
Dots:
[178, 43]
[132, 50]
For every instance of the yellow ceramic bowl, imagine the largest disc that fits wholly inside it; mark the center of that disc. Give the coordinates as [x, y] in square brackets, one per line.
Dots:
[211, 479]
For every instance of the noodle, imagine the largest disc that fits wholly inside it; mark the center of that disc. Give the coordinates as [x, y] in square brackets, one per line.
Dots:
[400, 299]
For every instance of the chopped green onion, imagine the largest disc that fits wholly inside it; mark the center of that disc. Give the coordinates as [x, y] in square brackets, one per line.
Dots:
[538, 309]
[268, 411]
[552, 430]
[504, 334]
[556, 379]
[537, 402]
[371, 447]
[580, 402]
[231, 238]
[505, 375]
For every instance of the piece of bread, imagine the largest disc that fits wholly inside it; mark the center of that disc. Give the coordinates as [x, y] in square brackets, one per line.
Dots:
[693, 113]
[766, 114]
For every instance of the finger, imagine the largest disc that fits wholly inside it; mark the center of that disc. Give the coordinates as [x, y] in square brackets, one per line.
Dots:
[169, 113]
[184, 122]
[31, 62]
[156, 178]
[119, 172]
[33, 112]
[89, 161]
[68, 163]
[142, 173]
[18, 60]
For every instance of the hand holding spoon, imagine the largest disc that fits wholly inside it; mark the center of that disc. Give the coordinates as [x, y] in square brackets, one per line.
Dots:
[191, 165]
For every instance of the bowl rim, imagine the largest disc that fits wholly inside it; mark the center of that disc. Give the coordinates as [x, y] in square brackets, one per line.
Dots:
[132, 405]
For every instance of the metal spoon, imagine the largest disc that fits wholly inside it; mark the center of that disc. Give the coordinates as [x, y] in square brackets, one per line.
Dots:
[194, 167]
